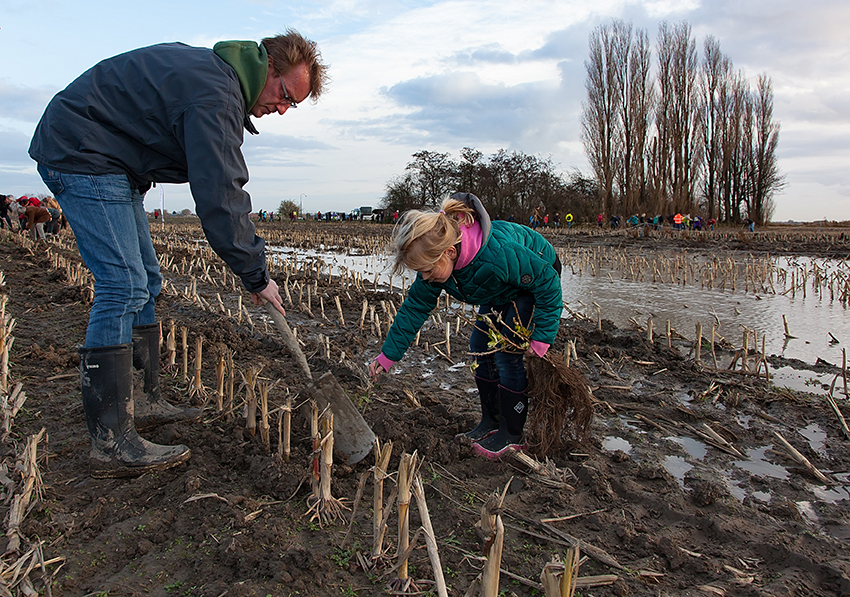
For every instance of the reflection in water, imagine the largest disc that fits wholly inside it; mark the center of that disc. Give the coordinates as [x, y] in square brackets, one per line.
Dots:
[816, 437]
[811, 318]
[612, 444]
[758, 465]
[801, 380]
[677, 466]
[695, 448]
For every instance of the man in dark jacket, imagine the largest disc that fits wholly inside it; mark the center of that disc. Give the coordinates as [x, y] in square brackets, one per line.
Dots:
[166, 113]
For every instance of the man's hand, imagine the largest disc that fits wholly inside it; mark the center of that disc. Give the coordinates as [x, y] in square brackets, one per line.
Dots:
[270, 294]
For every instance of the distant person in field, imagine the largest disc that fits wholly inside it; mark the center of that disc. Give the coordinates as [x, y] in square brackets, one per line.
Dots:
[165, 113]
[512, 272]
[5, 200]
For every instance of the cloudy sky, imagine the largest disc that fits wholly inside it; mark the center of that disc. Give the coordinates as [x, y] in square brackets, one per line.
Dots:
[440, 75]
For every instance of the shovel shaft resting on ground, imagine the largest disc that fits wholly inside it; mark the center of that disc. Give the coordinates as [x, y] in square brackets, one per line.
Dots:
[352, 435]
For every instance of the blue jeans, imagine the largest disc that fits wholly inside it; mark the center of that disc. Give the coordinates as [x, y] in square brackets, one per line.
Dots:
[505, 365]
[109, 221]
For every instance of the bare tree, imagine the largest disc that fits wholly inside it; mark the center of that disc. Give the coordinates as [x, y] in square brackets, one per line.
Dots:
[400, 194]
[469, 171]
[765, 178]
[432, 175]
[714, 81]
[676, 116]
[601, 114]
[737, 117]
[638, 98]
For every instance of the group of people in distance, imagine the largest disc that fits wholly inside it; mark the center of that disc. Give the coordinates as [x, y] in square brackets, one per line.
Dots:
[42, 217]
[675, 221]
[536, 220]
[98, 158]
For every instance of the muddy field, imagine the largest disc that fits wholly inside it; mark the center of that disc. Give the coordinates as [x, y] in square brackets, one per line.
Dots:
[652, 500]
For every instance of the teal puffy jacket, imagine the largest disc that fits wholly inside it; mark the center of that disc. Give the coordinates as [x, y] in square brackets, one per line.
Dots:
[512, 259]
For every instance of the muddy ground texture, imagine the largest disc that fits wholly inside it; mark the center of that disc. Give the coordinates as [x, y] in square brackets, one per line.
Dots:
[233, 519]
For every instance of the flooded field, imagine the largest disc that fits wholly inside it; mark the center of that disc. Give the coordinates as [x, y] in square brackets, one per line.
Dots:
[628, 288]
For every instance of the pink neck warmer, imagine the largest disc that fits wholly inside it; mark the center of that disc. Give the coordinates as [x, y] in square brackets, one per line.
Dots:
[470, 241]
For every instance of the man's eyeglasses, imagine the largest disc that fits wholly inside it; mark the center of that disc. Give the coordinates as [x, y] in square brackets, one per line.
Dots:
[292, 102]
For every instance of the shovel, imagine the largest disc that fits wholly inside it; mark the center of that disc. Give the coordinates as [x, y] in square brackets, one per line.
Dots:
[352, 435]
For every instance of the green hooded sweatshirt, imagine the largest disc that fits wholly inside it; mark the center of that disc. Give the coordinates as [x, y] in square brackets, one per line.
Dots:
[251, 63]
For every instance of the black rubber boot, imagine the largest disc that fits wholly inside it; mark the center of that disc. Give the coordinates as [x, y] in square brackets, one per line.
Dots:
[106, 381]
[488, 393]
[151, 408]
[513, 410]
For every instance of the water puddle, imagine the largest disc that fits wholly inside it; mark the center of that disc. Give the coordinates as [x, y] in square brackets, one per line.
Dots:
[759, 465]
[678, 467]
[683, 397]
[808, 512]
[621, 288]
[744, 420]
[801, 380]
[695, 448]
[816, 437]
[630, 424]
[811, 316]
[830, 494]
[612, 444]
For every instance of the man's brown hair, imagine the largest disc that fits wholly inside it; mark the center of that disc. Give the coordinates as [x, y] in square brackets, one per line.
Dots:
[291, 49]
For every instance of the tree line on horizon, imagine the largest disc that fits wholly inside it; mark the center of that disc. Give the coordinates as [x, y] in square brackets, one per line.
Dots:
[508, 184]
[689, 136]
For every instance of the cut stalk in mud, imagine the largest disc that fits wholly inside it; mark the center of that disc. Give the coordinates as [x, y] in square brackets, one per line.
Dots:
[430, 537]
[379, 528]
[407, 468]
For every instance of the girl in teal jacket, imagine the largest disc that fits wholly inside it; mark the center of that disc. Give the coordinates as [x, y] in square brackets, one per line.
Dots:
[512, 272]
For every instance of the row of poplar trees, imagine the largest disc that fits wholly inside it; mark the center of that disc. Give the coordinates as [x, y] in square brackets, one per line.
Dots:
[690, 136]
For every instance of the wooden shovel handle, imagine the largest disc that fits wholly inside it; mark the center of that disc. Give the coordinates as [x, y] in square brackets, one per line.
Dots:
[289, 339]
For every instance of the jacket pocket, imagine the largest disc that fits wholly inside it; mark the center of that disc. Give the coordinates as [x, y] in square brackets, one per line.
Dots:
[52, 179]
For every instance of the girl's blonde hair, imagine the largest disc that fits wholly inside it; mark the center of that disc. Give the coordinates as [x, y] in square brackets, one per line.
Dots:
[421, 237]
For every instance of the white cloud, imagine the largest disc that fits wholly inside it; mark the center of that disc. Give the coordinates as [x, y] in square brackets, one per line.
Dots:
[442, 75]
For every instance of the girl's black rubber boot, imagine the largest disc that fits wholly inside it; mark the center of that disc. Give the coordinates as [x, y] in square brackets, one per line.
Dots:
[498, 445]
[488, 393]
[513, 410]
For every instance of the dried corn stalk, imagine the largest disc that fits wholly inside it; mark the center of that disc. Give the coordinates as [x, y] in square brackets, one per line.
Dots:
[171, 347]
[325, 508]
[430, 538]
[231, 379]
[31, 483]
[6, 341]
[9, 406]
[220, 368]
[406, 471]
[263, 389]
[184, 337]
[379, 528]
[197, 389]
[249, 382]
[285, 442]
[559, 580]
[494, 536]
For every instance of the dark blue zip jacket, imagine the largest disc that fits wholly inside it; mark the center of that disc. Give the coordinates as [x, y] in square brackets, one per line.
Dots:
[166, 113]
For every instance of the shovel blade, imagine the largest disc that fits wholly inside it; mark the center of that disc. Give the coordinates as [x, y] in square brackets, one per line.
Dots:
[352, 435]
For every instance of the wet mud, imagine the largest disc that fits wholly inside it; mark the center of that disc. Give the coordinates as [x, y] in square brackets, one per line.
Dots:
[676, 510]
